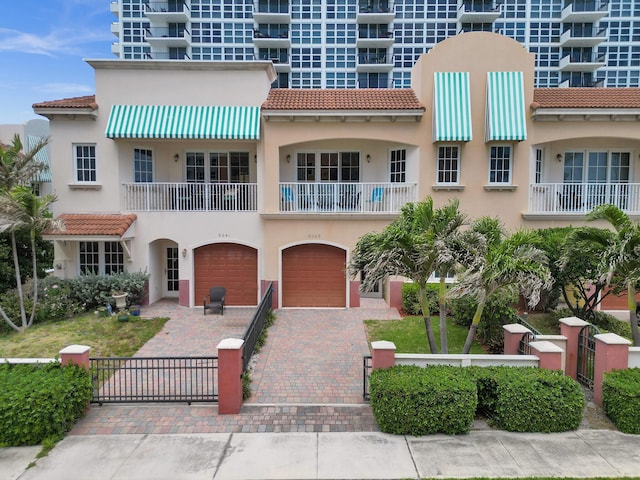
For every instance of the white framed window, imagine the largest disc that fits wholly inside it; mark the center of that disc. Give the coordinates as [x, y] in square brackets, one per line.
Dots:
[100, 258]
[538, 172]
[448, 165]
[328, 166]
[85, 162]
[222, 167]
[398, 166]
[500, 164]
[142, 165]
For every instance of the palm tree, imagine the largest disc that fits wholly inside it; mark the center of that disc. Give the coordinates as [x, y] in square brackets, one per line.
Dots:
[414, 246]
[494, 263]
[21, 209]
[620, 262]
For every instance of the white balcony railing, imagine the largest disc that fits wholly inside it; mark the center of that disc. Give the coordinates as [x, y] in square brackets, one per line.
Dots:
[342, 197]
[191, 197]
[581, 198]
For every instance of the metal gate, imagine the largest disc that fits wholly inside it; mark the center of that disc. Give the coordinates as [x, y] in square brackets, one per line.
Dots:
[154, 379]
[586, 355]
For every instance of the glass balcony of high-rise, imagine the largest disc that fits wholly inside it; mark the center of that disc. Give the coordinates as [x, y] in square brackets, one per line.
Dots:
[377, 11]
[584, 11]
[272, 11]
[478, 11]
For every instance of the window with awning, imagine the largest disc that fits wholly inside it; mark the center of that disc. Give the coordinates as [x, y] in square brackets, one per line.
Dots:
[451, 107]
[505, 113]
[184, 122]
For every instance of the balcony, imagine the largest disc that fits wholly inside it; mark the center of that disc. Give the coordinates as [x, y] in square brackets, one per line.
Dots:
[584, 11]
[580, 198]
[478, 12]
[345, 198]
[171, 11]
[271, 38]
[374, 62]
[376, 12]
[280, 60]
[167, 56]
[114, 7]
[273, 11]
[373, 39]
[582, 38]
[191, 197]
[581, 63]
[582, 83]
[167, 37]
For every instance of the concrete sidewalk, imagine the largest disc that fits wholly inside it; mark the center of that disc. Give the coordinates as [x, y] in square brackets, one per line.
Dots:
[361, 455]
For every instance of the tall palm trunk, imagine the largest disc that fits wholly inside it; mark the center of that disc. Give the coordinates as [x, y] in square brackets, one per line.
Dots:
[633, 320]
[427, 321]
[473, 328]
[35, 277]
[16, 265]
[442, 290]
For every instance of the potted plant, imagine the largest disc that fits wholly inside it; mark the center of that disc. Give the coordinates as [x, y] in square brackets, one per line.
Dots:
[120, 298]
[135, 310]
[123, 315]
[103, 312]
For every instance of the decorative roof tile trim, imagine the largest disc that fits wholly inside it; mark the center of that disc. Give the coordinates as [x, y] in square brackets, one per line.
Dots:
[93, 224]
[88, 101]
[343, 99]
[586, 98]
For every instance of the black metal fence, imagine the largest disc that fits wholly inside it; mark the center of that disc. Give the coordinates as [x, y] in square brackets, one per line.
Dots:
[256, 326]
[367, 366]
[586, 355]
[524, 348]
[154, 379]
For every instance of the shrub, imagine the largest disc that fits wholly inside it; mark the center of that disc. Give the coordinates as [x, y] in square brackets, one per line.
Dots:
[410, 400]
[535, 400]
[40, 402]
[497, 312]
[604, 321]
[410, 302]
[621, 398]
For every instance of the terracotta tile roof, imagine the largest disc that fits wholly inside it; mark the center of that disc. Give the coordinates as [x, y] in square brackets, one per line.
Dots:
[586, 98]
[93, 224]
[344, 99]
[88, 101]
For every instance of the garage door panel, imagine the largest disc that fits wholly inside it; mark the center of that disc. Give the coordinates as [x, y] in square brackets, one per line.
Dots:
[231, 265]
[313, 275]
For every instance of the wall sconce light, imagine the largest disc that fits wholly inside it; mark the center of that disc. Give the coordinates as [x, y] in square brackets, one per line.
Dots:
[368, 158]
[58, 266]
[176, 157]
[288, 158]
[559, 157]
[184, 252]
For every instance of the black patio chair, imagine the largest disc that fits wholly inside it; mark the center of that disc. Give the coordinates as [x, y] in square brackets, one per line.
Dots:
[215, 300]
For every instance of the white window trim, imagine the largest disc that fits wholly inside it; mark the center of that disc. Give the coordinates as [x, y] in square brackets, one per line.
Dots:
[102, 256]
[500, 184]
[459, 161]
[153, 163]
[80, 184]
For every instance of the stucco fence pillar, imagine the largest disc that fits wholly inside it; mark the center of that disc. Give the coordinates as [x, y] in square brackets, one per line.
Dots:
[550, 355]
[230, 376]
[612, 353]
[513, 334]
[383, 354]
[75, 355]
[570, 328]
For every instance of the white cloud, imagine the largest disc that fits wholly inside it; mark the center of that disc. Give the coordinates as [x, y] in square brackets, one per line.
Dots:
[57, 42]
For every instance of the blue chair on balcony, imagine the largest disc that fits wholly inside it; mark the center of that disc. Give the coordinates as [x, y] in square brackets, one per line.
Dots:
[377, 197]
[287, 200]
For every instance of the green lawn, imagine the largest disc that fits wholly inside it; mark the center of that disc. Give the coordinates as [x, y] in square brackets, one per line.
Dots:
[107, 337]
[545, 323]
[409, 334]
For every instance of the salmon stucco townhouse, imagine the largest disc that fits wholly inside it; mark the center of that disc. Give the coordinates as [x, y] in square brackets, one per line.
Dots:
[200, 174]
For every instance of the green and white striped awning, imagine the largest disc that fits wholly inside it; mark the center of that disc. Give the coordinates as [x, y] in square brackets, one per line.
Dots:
[505, 118]
[451, 107]
[179, 121]
[41, 156]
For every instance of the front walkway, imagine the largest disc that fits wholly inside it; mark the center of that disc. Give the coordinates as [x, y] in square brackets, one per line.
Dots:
[307, 378]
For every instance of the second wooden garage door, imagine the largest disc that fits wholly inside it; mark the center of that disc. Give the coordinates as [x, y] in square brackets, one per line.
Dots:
[313, 276]
[230, 265]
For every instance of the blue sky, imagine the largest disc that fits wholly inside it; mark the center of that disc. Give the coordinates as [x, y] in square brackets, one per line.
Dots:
[42, 47]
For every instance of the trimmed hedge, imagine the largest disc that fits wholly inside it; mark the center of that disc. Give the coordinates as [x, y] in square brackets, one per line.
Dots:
[411, 304]
[410, 400]
[41, 402]
[621, 398]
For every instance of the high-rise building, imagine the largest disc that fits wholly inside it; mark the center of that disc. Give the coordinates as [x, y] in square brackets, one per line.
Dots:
[374, 43]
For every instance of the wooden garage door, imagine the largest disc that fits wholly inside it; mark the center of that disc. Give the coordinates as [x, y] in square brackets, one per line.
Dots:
[313, 276]
[230, 265]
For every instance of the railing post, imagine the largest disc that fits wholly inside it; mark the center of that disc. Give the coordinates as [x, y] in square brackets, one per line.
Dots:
[570, 327]
[550, 355]
[383, 354]
[230, 376]
[75, 355]
[512, 335]
[612, 352]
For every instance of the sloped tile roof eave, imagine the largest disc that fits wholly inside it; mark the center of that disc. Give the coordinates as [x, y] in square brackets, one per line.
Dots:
[78, 224]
